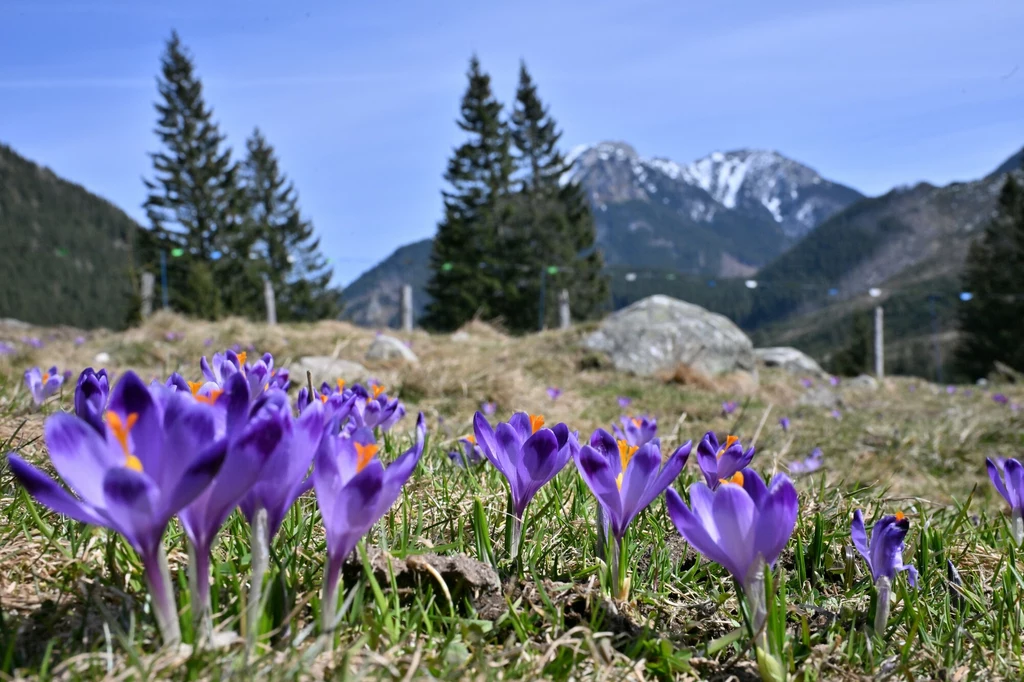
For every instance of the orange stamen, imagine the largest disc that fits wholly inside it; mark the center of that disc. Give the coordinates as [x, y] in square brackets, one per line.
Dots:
[736, 478]
[536, 421]
[195, 386]
[212, 398]
[637, 422]
[364, 455]
[323, 398]
[341, 384]
[241, 358]
[626, 452]
[900, 516]
[121, 430]
[377, 390]
[471, 438]
[729, 440]
[46, 377]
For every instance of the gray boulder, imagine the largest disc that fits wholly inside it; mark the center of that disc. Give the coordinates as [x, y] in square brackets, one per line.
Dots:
[864, 382]
[325, 368]
[658, 333]
[789, 359]
[820, 396]
[389, 348]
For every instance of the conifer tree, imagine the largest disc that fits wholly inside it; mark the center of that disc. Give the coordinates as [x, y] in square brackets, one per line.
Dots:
[465, 274]
[287, 252]
[554, 228]
[194, 202]
[992, 322]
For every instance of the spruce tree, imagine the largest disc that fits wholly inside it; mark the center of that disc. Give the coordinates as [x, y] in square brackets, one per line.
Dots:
[194, 202]
[554, 231]
[992, 322]
[466, 278]
[287, 252]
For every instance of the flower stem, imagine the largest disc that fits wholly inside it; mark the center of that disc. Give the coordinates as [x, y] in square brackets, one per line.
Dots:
[260, 544]
[329, 596]
[199, 588]
[1017, 526]
[602, 531]
[882, 590]
[161, 590]
[753, 587]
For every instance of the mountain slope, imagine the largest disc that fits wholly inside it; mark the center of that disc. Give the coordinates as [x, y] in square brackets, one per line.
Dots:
[373, 300]
[726, 215]
[67, 253]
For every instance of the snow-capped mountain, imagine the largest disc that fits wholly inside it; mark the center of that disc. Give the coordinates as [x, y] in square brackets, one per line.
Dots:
[752, 184]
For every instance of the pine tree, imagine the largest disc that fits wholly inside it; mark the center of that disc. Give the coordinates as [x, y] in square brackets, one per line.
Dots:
[465, 257]
[194, 202]
[554, 232]
[992, 322]
[853, 359]
[287, 252]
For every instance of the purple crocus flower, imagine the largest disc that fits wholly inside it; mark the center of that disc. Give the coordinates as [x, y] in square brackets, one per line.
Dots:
[7, 349]
[554, 393]
[41, 384]
[884, 556]
[283, 478]
[91, 395]
[222, 367]
[353, 490]
[373, 409]
[156, 455]
[79, 340]
[1015, 407]
[468, 453]
[488, 408]
[1000, 398]
[836, 414]
[808, 464]
[1008, 478]
[720, 462]
[834, 380]
[968, 393]
[784, 423]
[32, 341]
[912, 388]
[807, 383]
[742, 525]
[208, 342]
[173, 336]
[950, 389]
[624, 401]
[636, 431]
[527, 455]
[728, 407]
[625, 479]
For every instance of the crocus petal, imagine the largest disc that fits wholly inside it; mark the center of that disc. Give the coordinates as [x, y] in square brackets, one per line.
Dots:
[734, 514]
[353, 512]
[667, 475]
[641, 472]
[997, 480]
[509, 447]
[132, 500]
[701, 537]
[776, 519]
[860, 536]
[80, 455]
[131, 396]
[520, 421]
[195, 477]
[755, 487]
[489, 444]
[596, 471]
[47, 492]
[1014, 481]
[539, 464]
[708, 464]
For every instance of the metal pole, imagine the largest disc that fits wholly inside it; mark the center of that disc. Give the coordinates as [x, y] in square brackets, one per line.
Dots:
[543, 287]
[564, 317]
[147, 294]
[163, 279]
[935, 339]
[268, 299]
[879, 345]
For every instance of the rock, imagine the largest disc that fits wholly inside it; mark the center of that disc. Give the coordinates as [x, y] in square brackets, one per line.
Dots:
[389, 348]
[658, 333]
[789, 359]
[325, 368]
[102, 358]
[820, 396]
[863, 382]
[461, 336]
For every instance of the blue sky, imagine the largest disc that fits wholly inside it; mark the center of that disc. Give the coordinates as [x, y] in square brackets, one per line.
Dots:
[360, 99]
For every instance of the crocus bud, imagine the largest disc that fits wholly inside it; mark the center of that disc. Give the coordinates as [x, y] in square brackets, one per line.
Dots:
[883, 588]
[770, 668]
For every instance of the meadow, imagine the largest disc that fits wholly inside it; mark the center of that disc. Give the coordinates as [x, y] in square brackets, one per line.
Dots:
[430, 592]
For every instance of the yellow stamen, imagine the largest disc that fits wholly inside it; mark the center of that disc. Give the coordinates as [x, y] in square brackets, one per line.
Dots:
[729, 440]
[736, 478]
[341, 384]
[212, 398]
[121, 430]
[536, 421]
[195, 386]
[377, 390]
[364, 455]
[900, 516]
[241, 358]
[626, 452]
